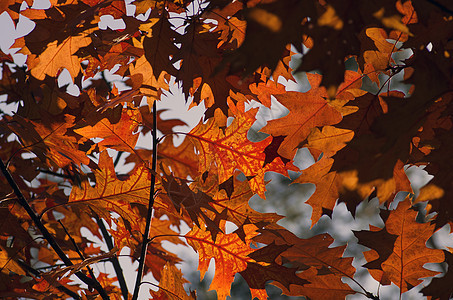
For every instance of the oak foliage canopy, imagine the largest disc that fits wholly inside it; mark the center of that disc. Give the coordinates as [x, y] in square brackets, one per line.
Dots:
[379, 101]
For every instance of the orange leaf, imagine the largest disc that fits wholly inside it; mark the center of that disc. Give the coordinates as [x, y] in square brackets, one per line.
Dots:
[112, 194]
[195, 203]
[326, 265]
[230, 150]
[375, 61]
[307, 110]
[321, 286]
[229, 252]
[234, 195]
[50, 140]
[404, 266]
[121, 136]
[57, 56]
[327, 187]
[171, 285]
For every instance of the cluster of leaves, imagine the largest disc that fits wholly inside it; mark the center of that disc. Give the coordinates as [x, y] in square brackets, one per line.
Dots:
[224, 54]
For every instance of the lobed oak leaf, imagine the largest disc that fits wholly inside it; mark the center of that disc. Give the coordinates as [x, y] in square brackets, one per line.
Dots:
[50, 141]
[57, 56]
[230, 150]
[377, 53]
[113, 195]
[307, 110]
[195, 203]
[375, 153]
[320, 286]
[328, 185]
[232, 29]
[200, 56]
[404, 266]
[233, 196]
[380, 240]
[257, 275]
[121, 136]
[171, 285]
[264, 91]
[59, 23]
[148, 85]
[159, 46]
[229, 252]
[320, 263]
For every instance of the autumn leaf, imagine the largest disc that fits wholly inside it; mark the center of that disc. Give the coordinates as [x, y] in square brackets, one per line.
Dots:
[229, 252]
[404, 267]
[377, 239]
[318, 262]
[195, 203]
[377, 54]
[171, 285]
[111, 194]
[182, 159]
[52, 138]
[159, 46]
[149, 86]
[57, 57]
[377, 77]
[232, 150]
[121, 136]
[232, 196]
[256, 275]
[307, 110]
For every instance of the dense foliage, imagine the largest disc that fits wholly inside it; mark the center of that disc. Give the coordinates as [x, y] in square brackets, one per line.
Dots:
[380, 76]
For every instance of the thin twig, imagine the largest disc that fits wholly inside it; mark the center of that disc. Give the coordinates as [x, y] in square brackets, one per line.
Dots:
[117, 159]
[441, 7]
[77, 249]
[46, 234]
[59, 286]
[114, 259]
[141, 263]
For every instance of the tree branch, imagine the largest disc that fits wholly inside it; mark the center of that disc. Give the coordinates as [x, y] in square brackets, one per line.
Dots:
[141, 263]
[114, 260]
[60, 287]
[77, 249]
[46, 234]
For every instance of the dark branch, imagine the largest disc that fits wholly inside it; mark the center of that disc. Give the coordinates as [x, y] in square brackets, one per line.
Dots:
[141, 263]
[113, 259]
[77, 249]
[46, 234]
[441, 7]
[60, 287]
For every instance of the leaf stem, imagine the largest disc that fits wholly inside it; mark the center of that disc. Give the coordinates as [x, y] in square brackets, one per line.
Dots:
[144, 246]
[46, 234]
